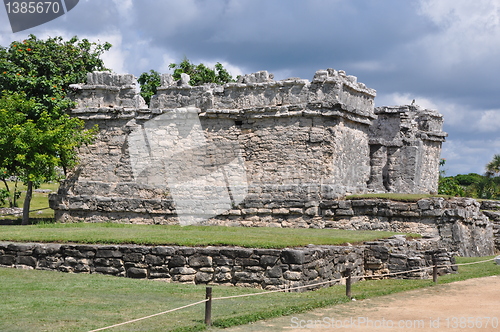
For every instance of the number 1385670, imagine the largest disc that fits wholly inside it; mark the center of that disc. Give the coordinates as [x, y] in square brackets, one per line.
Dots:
[32, 7]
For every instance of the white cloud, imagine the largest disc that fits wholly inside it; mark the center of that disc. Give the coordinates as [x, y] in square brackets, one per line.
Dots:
[468, 30]
[167, 59]
[489, 121]
[116, 57]
[232, 69]
[124, 7]
[471, 156]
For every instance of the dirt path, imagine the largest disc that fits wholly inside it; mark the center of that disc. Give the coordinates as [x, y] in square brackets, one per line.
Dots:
[471, 305]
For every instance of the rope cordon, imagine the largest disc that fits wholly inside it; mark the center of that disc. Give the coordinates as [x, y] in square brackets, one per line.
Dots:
[287, 290]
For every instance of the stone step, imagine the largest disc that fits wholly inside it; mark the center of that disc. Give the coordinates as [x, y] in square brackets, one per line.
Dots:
[490, 205]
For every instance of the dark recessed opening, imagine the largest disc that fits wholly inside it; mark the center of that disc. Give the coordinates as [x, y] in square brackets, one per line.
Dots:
[238, 122]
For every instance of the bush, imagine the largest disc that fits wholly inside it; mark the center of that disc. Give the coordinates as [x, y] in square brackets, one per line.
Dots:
[450, 186]
[4, 194]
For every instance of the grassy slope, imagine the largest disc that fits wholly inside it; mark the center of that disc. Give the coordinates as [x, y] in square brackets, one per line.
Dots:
[110, 233]
[51, 301]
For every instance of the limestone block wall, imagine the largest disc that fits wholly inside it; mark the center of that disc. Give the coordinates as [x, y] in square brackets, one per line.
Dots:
[492, 210]
[259, 268]
[405, 146]
[252, 142]
[457, 224]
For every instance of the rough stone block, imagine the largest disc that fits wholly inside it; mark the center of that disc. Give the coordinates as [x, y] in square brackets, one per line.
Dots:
[203, 277]
[107, 270]
[7, 260]
[134, 272]
[291, 256]
[274, 272]
[200, 260]
[133, 257]
[163, 251]
[267, 260]
[182, 270]
[154, 260]
[108, 253]
[221, 260]
[26, 260]
[291, 275]
[176, 261]
[246, 261]
[232, 253]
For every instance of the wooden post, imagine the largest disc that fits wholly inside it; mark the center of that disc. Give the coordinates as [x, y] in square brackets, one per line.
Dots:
[434, 270]
[208, 306]
[348, 283]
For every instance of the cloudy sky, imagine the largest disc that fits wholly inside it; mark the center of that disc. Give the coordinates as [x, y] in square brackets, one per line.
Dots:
[443, 53]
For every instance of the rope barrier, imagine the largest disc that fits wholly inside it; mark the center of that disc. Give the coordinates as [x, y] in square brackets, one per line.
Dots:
[340, 279]
[488, 260]
[278, 290]
[289, 289]
[150, 316]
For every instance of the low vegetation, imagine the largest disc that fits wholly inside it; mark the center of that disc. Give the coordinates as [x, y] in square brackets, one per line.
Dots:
[35, 300]
[473, 185]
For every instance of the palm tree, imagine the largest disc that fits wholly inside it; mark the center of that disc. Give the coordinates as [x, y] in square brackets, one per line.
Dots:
[493, 166]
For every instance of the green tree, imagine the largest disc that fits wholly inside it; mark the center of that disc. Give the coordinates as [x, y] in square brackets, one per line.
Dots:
[44, 69]
[149, 83]
[34, 150]
[493, 167]
[201, 74]
[37, 136]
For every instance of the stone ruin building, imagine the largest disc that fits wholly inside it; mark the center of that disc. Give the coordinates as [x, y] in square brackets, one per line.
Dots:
[259, 149]
[261, 152]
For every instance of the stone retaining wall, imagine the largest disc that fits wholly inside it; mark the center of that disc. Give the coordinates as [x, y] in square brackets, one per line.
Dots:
[259, 268]
[457, 223]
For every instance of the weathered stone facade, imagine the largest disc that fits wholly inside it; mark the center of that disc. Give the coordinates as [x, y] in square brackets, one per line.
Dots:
[405, 146]
[457, 224]
[492, 210]
[258, 147]
[259, 268]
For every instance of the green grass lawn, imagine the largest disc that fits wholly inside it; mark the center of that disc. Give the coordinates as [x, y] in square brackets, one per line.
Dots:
[39, 203]
[35, 300]
[112, 233]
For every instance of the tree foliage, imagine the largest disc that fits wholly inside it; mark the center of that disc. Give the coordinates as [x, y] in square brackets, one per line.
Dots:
[493, 167]
[474, 185]
[43, 70]
[449, 186]
[37, 137]
[198, 74]
[149, 83]
[201, 74]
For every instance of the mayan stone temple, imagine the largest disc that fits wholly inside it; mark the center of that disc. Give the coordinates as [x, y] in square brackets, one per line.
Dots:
[258, 152]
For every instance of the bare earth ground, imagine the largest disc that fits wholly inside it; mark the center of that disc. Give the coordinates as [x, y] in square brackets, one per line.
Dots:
[470, 305]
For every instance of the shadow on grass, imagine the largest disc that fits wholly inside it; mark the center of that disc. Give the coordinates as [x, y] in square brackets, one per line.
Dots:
[33, 221]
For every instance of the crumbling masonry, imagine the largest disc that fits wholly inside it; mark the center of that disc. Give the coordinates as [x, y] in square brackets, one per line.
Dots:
[255, 152]
[261, 152]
